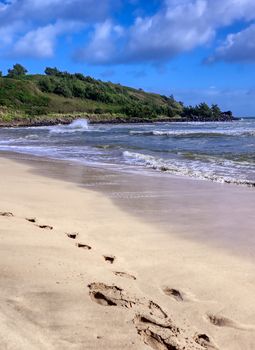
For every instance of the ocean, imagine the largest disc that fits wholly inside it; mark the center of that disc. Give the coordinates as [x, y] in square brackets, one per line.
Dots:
[219, 151]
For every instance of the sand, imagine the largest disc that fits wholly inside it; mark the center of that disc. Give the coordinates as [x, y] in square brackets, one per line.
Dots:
[78, 271]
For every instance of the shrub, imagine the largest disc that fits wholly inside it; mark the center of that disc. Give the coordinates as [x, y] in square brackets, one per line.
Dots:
[16, 71]
[62, 90]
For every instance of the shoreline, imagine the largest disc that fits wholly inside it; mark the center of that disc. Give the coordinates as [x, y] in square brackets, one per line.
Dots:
[153, 264]
[146, 170]
[179, 200]
[67, 119]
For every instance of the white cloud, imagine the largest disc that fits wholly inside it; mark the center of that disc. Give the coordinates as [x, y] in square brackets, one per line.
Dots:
[41, 41]
[179, 26]
[102, 45]
[7, 33]
[238, 47]
[170, 31]
[48, 10]
[31, 27]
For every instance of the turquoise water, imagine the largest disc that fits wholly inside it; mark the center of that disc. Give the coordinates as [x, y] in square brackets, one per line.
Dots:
[223, 152]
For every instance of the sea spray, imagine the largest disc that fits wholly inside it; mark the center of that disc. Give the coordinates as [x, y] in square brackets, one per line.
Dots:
[78, 125]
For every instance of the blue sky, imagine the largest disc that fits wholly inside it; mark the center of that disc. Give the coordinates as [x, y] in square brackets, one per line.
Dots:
[197, 50]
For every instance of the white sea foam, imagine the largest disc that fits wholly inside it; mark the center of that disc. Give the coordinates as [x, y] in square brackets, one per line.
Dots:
[190, 133]
[194, 169]
[32, 137]
[202, 154]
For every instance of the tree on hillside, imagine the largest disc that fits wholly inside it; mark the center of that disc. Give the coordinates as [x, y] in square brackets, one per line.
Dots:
[228, 113]
[1, 73]
[216, 111]
[79, 76]
[171, 98]
[204, 110]
[17, 70]
[51, 71]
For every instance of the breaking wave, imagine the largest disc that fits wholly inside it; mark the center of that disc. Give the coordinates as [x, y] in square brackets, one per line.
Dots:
[222, 152]
[195, 169]
[193, 133]
[78, 125]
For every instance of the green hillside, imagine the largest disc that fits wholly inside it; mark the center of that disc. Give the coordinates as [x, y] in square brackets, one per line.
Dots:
[60, 97]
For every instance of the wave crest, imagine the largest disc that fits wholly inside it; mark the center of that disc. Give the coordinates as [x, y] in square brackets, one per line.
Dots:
[175, 167]
[193, 133]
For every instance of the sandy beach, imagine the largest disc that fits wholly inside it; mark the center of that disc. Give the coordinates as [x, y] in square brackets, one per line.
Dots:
[84, 268]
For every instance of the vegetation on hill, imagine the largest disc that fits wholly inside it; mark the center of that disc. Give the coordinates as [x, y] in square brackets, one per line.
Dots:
[60, 96]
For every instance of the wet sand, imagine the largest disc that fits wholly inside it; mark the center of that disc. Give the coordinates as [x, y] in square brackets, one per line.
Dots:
[148, 262]
[219, 215]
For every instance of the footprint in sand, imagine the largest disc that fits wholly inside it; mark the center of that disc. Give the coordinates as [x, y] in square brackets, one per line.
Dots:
[124, 274]
[222, 321]
[153, 325]
[83, 246]
[167, 336]
[109, 258]
[105, 295]
[72, 235]
[157, 335]
[115, 296]
[46, 227]
[204, 341]
[6, 213]
[31, 220]
[174, 293]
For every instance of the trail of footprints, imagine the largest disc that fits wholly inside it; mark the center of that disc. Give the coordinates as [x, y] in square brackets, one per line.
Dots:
[152, 323]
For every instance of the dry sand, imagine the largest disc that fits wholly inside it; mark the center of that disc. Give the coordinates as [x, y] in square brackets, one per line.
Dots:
[93, 276]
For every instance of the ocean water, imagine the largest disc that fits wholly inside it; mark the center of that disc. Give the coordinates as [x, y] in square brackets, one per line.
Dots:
[222, 151]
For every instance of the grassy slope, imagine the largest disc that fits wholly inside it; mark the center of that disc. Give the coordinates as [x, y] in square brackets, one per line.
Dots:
[61, 97]
[23, 99]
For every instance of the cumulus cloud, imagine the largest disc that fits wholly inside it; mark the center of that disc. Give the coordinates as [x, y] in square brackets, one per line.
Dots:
[102, 46]
[7, 33]
[154, 38]
[41, 41]
[169, 32]
[31, 27]
[239, 47]
[179, 26]
[48, 10]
